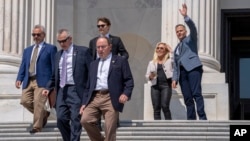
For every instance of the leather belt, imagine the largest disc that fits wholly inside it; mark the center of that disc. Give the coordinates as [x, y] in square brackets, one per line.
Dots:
[68, 85]
[32, 77]
[101, 91]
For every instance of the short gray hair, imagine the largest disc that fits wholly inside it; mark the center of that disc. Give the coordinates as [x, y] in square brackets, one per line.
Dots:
[40, 27]
[60, 31]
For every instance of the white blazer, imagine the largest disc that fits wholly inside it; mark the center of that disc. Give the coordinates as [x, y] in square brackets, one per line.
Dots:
[152, 67]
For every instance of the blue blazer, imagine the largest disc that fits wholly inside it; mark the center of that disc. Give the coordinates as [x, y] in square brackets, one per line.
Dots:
[80, 65]
[120, 80]
[44, 65]
[188, 56]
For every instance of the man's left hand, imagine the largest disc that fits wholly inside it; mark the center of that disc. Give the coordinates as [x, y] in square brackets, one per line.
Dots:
[123, 98]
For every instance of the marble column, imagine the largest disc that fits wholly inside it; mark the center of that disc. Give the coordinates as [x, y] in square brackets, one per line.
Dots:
[204, 14]
[17, 20]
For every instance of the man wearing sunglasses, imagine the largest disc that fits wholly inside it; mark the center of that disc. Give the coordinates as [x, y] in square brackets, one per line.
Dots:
[103, 25]
[35, 71]
[69, 80]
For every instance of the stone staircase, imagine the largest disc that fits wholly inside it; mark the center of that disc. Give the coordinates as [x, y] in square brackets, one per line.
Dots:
[135, 130]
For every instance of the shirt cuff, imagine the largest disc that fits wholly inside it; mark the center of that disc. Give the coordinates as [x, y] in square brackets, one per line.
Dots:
[186, 18]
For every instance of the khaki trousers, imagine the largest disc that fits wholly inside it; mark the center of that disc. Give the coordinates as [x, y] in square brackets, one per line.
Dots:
[33, 100]
[100, 105]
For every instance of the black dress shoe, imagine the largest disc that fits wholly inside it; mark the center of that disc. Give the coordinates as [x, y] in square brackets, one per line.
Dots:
[34, 130]
[118, 124]
[45, 119]
[99, 126]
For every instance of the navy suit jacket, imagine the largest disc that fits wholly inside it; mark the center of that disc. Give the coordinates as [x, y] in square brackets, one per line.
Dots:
[117, 47]
[44, 65]
[120, 81]
[80, 65]
[188, 56]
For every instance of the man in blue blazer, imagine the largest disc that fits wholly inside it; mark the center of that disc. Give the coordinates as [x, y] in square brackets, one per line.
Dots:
[110, 86]
[69, 81]
[35, 71]
[188, 68]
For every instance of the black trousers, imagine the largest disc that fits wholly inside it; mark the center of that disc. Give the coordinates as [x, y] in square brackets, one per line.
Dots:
[161, 96]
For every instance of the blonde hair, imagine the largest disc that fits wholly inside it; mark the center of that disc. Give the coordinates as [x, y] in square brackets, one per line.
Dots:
[167, 55]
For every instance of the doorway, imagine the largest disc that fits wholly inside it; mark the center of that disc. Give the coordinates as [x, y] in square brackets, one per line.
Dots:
[235, 60]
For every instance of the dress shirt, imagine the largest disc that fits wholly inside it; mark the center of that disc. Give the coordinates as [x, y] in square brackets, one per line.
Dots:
[69, 53]
[102, 74]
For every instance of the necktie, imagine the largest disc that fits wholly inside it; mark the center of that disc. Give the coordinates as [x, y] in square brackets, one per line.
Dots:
[64, 70]
[102, 61]
[179, 47]
[33, 61]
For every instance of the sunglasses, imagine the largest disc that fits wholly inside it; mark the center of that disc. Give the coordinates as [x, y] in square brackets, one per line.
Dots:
[62, 41]
[161, 48]
[36, 34]
[101, 25]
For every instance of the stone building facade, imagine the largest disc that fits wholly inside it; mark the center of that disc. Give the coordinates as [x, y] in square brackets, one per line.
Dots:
[140, 24]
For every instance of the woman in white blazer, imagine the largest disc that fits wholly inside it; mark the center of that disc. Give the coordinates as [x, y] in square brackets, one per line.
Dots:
[159, 74]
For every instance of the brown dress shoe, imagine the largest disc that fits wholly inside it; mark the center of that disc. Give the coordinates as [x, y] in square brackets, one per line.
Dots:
[45, 118]
[35, 130]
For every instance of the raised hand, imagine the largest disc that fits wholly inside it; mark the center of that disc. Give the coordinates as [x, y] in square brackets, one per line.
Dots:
[183, 11]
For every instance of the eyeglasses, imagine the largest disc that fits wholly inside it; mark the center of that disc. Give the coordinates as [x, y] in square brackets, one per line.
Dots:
[62, 41]
[36, 34]
[161, 48]
[101, 25]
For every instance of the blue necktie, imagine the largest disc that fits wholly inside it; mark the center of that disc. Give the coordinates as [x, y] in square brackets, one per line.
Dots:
[179, 47]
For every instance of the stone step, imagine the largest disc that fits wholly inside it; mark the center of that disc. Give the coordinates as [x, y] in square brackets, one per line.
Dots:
[125, 138]
[131, 130]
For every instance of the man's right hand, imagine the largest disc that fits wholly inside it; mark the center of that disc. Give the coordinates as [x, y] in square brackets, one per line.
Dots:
[174, 84]
[183, 11]
[18, 84]
[81, 109]
[45, 92]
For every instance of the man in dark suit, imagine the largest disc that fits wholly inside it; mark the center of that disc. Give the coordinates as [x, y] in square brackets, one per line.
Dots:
[188, 68]
[69, 81]
[110, 86]
[35, 71]
[103, 25]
